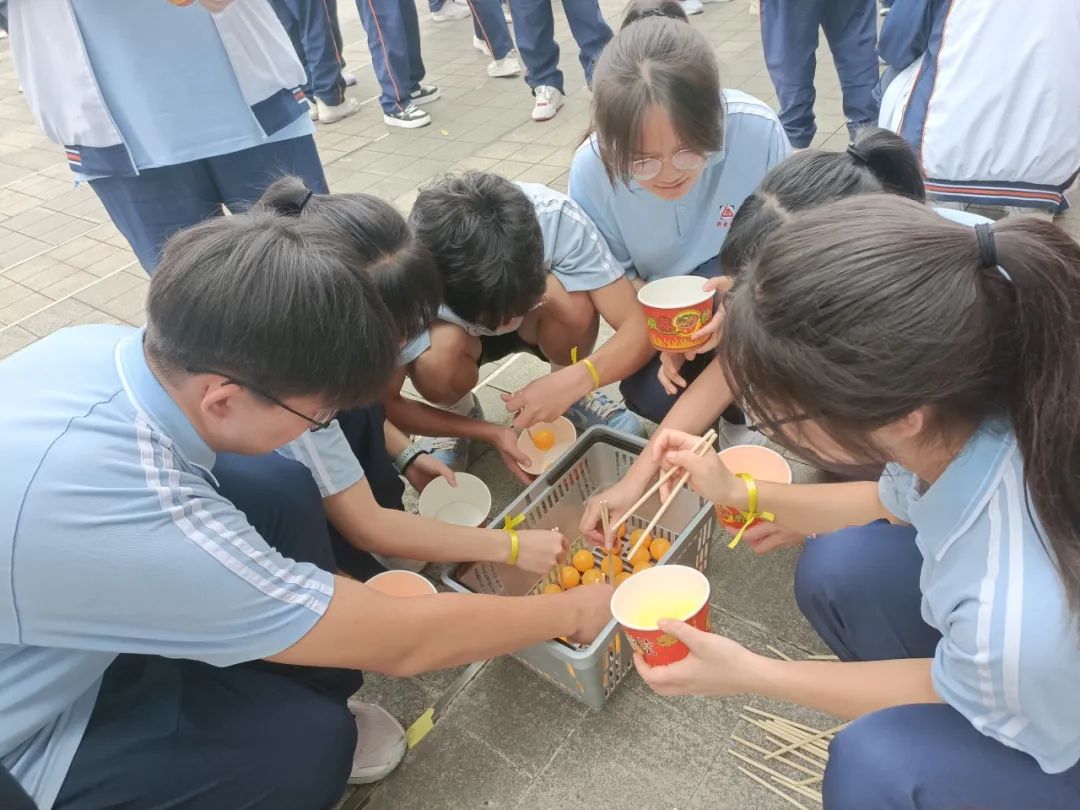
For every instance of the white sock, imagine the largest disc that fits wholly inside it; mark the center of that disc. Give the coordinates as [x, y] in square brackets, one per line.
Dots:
[463, 405]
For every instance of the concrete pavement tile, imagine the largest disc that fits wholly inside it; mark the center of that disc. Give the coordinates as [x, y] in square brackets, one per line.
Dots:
[13, 338]
[55, 316]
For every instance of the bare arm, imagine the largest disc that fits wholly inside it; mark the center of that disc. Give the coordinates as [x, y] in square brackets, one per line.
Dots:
[363, 629]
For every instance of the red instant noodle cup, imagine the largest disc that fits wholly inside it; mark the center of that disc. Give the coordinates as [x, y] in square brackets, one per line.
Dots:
[675, 308]
[665, 592]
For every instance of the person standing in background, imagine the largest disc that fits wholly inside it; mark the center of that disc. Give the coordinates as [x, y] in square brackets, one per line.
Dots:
[170, 111]
[393, 35]
[534, 29]
[988, 130]
[789, 34]
[312, 25]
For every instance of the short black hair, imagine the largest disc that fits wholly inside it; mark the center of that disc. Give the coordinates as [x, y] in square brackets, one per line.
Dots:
[487, 244]
[402, 268]
[878, 160]
[279, 303]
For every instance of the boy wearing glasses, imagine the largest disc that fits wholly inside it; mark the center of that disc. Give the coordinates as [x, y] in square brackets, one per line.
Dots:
[171, 626]
[523, 269]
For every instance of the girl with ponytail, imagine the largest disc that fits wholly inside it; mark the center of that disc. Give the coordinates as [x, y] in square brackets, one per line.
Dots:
[872, 331]
[877, 161]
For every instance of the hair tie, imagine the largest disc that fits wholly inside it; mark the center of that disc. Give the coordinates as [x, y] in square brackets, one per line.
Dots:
[292, 208]
[651, 12]
[303, 202]
[858, 154]
[984, 235]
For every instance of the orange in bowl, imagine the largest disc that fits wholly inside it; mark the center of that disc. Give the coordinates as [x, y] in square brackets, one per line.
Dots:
[534, 443]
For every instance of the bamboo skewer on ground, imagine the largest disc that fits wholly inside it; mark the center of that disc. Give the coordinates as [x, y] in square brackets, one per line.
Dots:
[703, 446]
[772, 788]
[704, 441]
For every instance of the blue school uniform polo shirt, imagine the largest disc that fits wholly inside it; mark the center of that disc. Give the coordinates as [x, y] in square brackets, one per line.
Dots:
[654, 238]
[1010, 648]
[167, 81]
[574, 250]
[113, 539]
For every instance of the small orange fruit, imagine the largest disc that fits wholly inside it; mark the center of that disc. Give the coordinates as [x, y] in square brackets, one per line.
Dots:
[605, 565]
[583, 560]
[591, 577]
[620, 533]
[621, 578]
[642, 567]
[570, 577]
[659, 547]
[640, 556]
[543, 438]
[551, 587]
[635, 535]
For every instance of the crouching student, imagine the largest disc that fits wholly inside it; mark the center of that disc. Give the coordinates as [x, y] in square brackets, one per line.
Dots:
[872, 330]
[670, 160]
[140, 604]
[878, 161]
[523, 269]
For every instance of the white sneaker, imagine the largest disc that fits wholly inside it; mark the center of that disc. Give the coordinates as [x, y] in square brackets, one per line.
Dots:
[732, 435]
[350, 78]
[380, 743]
[331, 115]
[548, 101]
[451, 10]
[481, 46]
[313, 111]
[425, 94]
[409, 118]
[506, 13]
[692, 7]
[502, 68]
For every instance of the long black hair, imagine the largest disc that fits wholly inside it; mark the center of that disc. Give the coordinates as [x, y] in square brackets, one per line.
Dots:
[402, 268]
[861, 311]
[878, 160]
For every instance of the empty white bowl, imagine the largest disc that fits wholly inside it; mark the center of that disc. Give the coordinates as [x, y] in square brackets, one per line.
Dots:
[467, 504]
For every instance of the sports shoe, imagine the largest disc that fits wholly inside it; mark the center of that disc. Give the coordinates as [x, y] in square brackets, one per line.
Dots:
[692, 7]
[425, 94]
[548, 101]
[348, 78]
[452, 451]
[505, 67]
[409, 118]
[506, 13]
[600, 409]
[332, 114]
[481, 46]
[313, 111]
[732, 435]
[451, 10]
[380, 742]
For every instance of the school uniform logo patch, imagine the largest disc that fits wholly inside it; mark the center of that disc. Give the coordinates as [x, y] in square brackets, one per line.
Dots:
[727, 213]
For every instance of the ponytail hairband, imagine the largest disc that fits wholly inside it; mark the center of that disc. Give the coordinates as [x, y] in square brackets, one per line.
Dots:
[653, 12]
[293, 208]
[858, 154]
[984, 235]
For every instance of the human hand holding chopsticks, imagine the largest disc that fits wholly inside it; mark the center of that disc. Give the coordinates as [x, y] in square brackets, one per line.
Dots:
[709, 478]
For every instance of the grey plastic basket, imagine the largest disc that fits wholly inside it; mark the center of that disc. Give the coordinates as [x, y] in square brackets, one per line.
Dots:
[599, 458]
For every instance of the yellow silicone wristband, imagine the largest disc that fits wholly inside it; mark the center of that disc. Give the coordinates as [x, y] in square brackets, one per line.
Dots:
[592, 372]
[515, 545]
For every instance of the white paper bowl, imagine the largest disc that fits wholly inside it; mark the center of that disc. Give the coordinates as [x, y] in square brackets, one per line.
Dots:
[540, 460]
[467, 504]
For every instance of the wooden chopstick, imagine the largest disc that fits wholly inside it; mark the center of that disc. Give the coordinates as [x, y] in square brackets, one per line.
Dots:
[700, 449]
[704, 441]
[605, 520]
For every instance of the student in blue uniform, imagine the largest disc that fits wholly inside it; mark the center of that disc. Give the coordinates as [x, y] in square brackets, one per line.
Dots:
[523, 269]
[878, 161]
[169, 112]
[789, 34]
[168, 633]
[312, 25]
[393, 35]
[872, 331]
[670, 159]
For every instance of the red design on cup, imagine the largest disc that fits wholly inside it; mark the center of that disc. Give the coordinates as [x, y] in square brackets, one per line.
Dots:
[762, 464]
[677, 585]
[659, 648]
[676, 308]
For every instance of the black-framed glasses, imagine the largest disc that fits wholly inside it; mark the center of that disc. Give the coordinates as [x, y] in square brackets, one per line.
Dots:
[320, 421]
[685, 160]
[787, 420]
